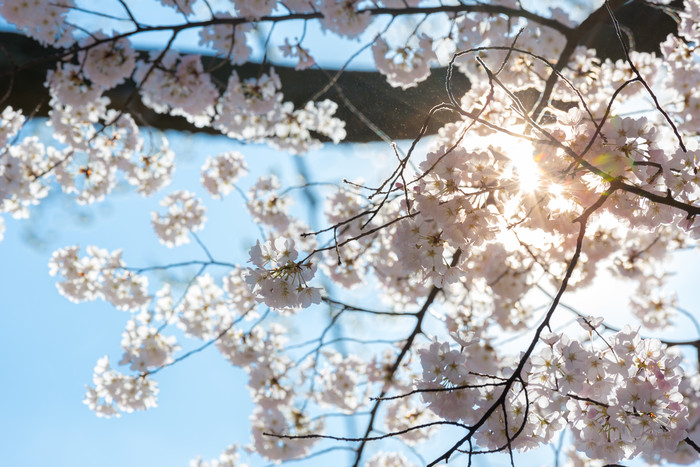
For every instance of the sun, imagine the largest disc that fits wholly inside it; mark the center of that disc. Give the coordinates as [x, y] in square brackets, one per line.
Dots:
[526, 171]
[523, 164]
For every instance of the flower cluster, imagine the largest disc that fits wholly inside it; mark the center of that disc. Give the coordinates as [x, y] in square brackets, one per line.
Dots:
[226, 40]
[253, 110]
[620, 398]
[110, 62]
[278, 280]
[100, 274]
[343, 18]
[228, 458]
[265, 204]
[340, 380]
[19, 187]
[266, 423]
[297, 51]
[145, 348]
[149, 171]
[447, 375]
[404, 415]
[185, 214]
[203, 309]
[221, 172]
[114, 393]
[44, 20]
[183, 6]
[177, 86]
[11, 121]
[629, 401]
[255, 96]
[406, 66]
[389, 459]
[256, 9]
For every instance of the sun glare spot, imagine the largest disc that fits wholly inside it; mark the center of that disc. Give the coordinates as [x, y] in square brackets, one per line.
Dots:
[555, 189]
[527, 171]
[523, 167]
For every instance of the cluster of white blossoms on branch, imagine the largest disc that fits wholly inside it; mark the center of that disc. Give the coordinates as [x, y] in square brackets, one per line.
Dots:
[221, 172]
[181, 87]
[228, 458]
[402, 311]
[389, 459]
[406, 66]
[43, 20]
[99, 274]
[253, 110]
[114, 392]
[278, 280]
[109, 63]
[145, 348]
[297, 51]
[620, 395]
[185, 214]
[203, 308]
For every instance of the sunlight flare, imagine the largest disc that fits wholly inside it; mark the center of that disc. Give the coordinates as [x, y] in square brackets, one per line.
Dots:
[527, 171]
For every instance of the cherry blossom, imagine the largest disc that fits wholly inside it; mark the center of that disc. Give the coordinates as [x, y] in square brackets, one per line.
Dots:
[441, 307]
[228, 458]
[145, 348]
[114, 393]
[41, 19]
[185, 214]
[406, 66]
[297, 51]
[109, 63]
[279, 281]
[389, 459]
[221, 172]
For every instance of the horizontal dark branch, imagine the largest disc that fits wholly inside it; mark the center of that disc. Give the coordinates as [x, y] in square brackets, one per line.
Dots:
[396, 112]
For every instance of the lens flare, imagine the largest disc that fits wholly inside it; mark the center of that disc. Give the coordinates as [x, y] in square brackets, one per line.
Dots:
[526, 170]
